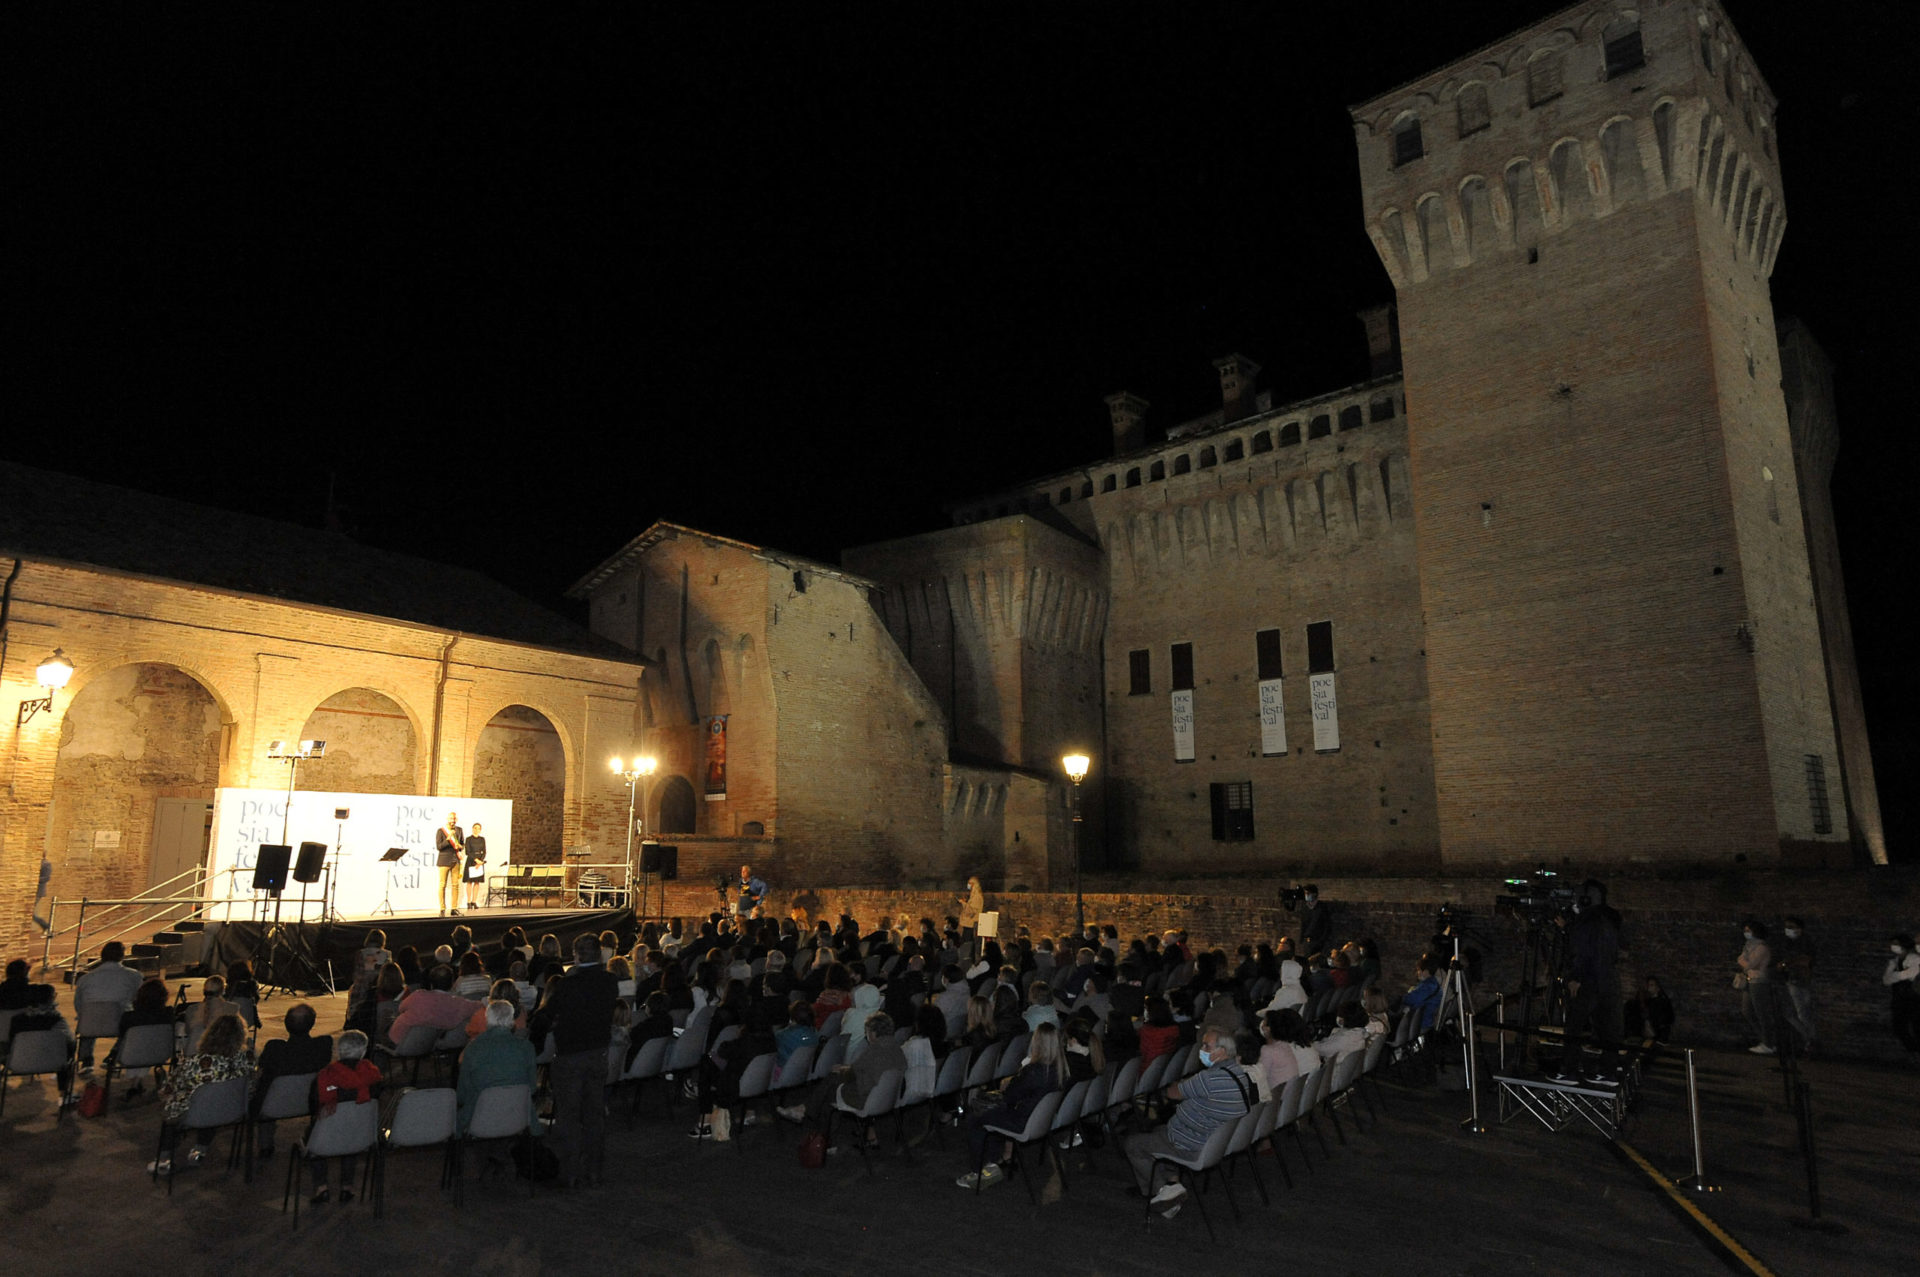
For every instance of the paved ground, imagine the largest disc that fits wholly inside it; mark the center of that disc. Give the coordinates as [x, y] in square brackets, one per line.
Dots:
[1414, 1193]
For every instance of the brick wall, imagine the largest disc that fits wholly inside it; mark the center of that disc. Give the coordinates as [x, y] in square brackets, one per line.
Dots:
[371, 747]
[519, 757]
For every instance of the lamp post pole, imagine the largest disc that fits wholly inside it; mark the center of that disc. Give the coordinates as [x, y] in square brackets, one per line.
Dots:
[634, 771]
[1076, 768]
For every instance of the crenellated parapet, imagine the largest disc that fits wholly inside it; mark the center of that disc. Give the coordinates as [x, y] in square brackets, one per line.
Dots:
[1598, 108]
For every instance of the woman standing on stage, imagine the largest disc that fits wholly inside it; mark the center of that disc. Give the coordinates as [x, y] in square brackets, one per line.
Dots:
[474, 870]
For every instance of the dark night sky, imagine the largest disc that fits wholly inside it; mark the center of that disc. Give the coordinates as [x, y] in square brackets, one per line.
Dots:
[519, 283]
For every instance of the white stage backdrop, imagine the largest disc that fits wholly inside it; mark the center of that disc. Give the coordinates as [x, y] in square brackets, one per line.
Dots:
[245, 818]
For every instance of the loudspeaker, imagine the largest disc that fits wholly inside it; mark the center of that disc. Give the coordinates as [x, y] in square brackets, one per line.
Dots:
[307, 867]
[650, 857]
[669, 864]
[270, 870]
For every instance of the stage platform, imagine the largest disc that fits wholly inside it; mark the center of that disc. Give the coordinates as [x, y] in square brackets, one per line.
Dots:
[336, 943]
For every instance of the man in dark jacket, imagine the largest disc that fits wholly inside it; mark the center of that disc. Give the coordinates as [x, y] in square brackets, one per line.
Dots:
[1593, 985]
[578, 1011]
[300, 1052]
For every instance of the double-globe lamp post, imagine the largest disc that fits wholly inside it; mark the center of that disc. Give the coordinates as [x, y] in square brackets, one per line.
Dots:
[1076, 766]
[635, 771]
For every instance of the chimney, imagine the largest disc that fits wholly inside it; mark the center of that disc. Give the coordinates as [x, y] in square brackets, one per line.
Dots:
[1236, 385]
[1383, 339]
[1129, 422]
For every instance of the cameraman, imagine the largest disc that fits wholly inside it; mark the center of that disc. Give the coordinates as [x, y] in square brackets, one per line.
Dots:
[1593, 984]
[1316, 923]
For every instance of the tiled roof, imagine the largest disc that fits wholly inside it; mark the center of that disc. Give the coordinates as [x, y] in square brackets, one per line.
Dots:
[56, 516]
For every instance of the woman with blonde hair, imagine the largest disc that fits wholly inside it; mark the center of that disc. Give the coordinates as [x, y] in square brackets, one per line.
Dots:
[1043, 1072]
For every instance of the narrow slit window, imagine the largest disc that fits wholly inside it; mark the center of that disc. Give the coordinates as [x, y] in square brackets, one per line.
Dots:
[1817, 805]
[1139, 672]
[1266, 653]
[1624, 50]
[1182, 660]
[1406, 141]
[1320, 647]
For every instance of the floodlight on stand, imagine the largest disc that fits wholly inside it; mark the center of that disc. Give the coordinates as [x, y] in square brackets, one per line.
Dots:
[52, 675]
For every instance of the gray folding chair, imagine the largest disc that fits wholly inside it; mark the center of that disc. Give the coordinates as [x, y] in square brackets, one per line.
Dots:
[418, 1044]
[36, 1053]
[1072, 1105]
[1200, 1164]
[420, 1118]
[755, 1083]
[649, 1062]
[1039, 1125]
[286, 1098]
[146, 1046]
[501, 1112]
[1011, 1053]
[97, 1020]
[1246, 1133]
[830, 1055]
[213, 1106]
[880, 1102]
[349, 1131]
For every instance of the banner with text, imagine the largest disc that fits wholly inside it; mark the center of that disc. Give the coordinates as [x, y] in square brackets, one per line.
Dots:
[1183, 726]
[1273, 719]
[717, 758]
[1326, 713]
[245, 818]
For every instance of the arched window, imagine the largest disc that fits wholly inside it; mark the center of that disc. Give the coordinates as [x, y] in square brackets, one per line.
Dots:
[1066, 495]
[1182, 464]
[1380, 408]
[1086, 489]
[1623, 48]
[1236, 450]
[1620, 152]
[1523, 197]
[1546, 77]
[1157, 471]
[1133, 477]
[1320, 427]
[1350, 417]
[1290, 435]
[1107, 484]
[1474, 112]
[1407, 146]
[1207, 459]
[1263, 441]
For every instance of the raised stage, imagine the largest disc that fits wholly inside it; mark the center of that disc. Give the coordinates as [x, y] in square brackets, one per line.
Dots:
[336, 943]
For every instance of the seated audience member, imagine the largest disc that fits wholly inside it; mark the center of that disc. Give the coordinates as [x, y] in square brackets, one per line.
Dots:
[952, 998]
[546, 962]
[979, 1028]
[655, 1022]
[1160, 1034]
[462, 944]
[1423, 999]
[219, 1054]
[299, 1052]
[930, 1024]
[499, 1056]
[722, 1069]
[836, 994]
[1085, 1055]
[107, 981]
[501, 960]
[1351, 1036]
[1040, 1008]
[798, 1033]
[1378, 1008]
[41, 1015]
[502, 991]
[1649, 1014]
[852, 1083]
[1278, 1065]
[866, 1003]
[212, 1005]
[1009, 1019]
[1219, 1092]
[437, 1006]
[350, 1079]
[150, 1006]
[1043, 1072]
[372, 958]
[407, 958]
[16, 991]
[471, 981]
[388, 988]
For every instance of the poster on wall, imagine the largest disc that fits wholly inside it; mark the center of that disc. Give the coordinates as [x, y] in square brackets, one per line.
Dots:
[1326, 713]
[1183, 726]
[717, 758]
[1273, 719]
[245, 818]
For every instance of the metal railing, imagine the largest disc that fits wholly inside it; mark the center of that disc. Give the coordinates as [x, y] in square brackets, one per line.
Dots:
[153, 911]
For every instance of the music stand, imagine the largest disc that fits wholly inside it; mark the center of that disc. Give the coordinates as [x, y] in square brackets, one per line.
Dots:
[387, 858]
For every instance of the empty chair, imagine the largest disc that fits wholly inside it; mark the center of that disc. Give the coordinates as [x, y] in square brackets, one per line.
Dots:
[348, 1131]
[828, 1057]
[649, 1062]
[501, 1112]
[36, 1053]
[1285, 1116]
[420, 1119]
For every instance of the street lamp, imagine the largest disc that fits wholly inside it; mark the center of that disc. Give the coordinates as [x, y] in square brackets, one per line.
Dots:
[52, 675]
[634, 771]
[1076, 765]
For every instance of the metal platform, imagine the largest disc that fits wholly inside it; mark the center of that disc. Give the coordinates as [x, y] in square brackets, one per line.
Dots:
[1555, 1105]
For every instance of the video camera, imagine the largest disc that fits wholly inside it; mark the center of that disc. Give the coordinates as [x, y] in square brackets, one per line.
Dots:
[1537, 898]
[1291, 897]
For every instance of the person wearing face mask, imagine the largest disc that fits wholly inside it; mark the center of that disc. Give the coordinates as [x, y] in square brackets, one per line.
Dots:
[1793, 964]
[1756, 989]
[1220, 1092]
[1902, 978]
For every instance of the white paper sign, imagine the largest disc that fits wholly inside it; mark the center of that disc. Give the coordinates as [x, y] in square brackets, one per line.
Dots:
[1183, 726]
[1273, 719]
[245, 818]
[1326, 713]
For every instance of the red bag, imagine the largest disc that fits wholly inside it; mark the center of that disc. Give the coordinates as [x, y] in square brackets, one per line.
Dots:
[813, 1150]
[93, 1100]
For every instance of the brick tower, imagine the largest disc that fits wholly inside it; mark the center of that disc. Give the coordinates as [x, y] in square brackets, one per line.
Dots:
[1624, 655]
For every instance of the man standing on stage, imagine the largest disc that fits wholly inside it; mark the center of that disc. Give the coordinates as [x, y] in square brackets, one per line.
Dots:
[751, 891]
[449, 843]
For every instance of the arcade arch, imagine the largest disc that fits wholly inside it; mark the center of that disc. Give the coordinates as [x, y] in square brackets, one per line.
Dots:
[520, 757]
[372, 745]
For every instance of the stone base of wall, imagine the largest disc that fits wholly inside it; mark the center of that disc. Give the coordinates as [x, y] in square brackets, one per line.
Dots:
[1685, 931]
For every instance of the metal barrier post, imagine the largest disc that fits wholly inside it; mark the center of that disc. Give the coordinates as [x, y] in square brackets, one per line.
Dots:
[1697, 1181]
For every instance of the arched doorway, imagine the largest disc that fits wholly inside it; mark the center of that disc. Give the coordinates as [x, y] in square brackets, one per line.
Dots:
[678, 807]
[133, 782]
[520, 757]
[371, 747]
